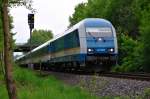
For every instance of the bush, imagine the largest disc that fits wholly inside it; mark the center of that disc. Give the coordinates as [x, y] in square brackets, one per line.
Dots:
[145, 32]
[130, 59]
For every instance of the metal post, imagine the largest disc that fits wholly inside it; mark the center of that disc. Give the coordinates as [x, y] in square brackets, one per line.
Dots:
[31, 26]
[30, 65]
[30, 39]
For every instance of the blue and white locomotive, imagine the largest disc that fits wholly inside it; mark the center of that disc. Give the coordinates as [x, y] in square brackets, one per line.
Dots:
[90, 44]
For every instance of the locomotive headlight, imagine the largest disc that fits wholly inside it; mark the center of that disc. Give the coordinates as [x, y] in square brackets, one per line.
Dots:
[111, 49]
[90, 50]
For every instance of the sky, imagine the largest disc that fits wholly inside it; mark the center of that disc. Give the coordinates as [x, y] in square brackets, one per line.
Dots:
[51, 15]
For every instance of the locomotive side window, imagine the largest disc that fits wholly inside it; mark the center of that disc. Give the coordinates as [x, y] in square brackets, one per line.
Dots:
[72, 40]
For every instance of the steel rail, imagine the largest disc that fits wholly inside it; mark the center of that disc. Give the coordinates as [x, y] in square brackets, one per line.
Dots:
[135, 76]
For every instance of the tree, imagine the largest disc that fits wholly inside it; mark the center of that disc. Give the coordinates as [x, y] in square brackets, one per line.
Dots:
[142, 12]
[78, 15]
[11, 88]
[144, 8]
[40, 36]
[8, 52]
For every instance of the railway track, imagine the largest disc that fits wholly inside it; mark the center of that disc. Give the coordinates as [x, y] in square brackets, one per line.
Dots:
[136, 76]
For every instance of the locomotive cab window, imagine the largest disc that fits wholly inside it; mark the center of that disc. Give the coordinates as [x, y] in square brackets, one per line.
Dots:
[99, 32]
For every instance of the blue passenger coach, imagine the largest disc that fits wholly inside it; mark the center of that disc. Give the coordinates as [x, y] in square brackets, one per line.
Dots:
[90, 43]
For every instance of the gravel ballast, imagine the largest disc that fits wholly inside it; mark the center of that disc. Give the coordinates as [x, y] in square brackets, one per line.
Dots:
[105, 86]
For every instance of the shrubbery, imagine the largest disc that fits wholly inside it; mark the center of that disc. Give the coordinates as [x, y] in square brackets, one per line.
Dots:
[130, 58]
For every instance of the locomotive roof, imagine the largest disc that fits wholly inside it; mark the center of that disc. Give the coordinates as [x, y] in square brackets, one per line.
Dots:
[96, 22]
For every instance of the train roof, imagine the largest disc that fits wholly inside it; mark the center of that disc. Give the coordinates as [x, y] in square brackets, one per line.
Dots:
[96, 22]
[86, 22]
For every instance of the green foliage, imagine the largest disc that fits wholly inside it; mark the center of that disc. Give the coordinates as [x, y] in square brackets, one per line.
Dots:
[121, 15]
[130, 17]
[142, 11]
[3, 91]
[26, 78]
[40, 36]
[25, 3]
[79, 11]
[1, 27]
[146, 93]
[145, 32]
[130, 59]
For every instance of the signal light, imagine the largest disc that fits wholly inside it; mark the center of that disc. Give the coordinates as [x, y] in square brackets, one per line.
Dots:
[31, 18]
[31, 21]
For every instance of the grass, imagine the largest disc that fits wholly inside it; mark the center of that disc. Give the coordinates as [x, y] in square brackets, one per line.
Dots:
[31, 86]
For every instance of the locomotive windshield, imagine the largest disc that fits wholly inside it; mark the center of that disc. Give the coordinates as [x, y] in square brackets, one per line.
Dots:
[99, 32]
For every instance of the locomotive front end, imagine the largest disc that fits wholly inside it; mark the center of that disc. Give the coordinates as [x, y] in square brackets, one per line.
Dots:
[101, 41]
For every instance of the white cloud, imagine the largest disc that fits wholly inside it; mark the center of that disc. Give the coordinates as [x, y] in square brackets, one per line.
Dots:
[51, 14]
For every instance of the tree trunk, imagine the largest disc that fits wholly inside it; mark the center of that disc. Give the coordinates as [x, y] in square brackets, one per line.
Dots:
[8, 53]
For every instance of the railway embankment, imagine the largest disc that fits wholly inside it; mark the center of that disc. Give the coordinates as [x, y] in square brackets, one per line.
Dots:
[56, 85]
[32, 86]
[108, 86]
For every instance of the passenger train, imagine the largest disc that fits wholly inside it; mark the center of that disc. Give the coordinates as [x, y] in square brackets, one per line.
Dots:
[91, 44]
